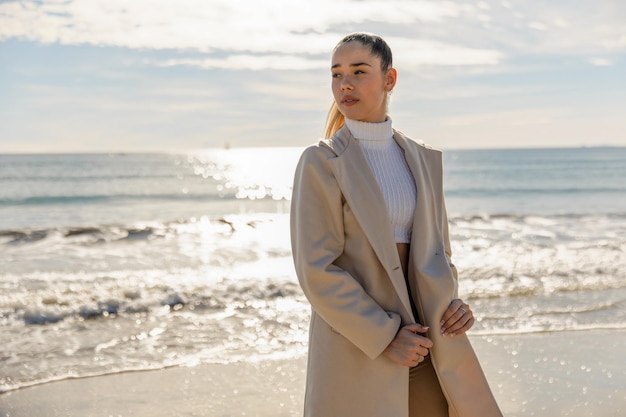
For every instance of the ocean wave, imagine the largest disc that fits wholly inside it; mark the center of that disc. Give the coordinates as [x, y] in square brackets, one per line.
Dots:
[225, 194]
[558, 328]
[67, 301]
[487, 217]
[110, 199]
[79, 176]
[539, 284]
[44, 299]
[505, 192]
[96, 234]
[110, 232]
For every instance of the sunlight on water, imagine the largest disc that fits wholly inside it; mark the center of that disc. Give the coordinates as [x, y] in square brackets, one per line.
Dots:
[252, 173]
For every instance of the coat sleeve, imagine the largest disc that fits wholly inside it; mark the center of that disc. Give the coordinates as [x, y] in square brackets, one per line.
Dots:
[317, 240]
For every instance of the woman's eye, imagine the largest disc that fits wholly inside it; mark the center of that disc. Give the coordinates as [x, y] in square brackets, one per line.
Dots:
[359, 72]
[336, 75]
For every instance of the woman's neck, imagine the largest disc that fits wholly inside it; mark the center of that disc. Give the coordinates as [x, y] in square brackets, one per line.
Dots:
[370, 131]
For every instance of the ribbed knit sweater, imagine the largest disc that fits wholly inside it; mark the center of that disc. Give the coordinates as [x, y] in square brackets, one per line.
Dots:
[391, 171]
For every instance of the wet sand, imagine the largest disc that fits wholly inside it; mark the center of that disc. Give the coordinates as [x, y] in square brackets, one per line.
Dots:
[578, 374]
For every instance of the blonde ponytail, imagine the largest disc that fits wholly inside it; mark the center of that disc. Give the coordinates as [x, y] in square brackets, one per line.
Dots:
[334, 121]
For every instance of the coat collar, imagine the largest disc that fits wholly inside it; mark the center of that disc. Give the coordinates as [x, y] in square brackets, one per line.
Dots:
[361, 191]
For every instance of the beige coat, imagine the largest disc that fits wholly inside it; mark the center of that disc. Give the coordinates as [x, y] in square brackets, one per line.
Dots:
[347, 264]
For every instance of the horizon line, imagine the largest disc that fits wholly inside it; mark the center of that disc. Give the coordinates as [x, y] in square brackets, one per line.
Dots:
[213, 148]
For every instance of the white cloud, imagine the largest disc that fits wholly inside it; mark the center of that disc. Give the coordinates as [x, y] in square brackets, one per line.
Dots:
[251, 62]
[281, 34]
[415, 53]
[289, 34]
[601, 62]
[283, 26]
[409, 54]
[538, 26]
[561, 28]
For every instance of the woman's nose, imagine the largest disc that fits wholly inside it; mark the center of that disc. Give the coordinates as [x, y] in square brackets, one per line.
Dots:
[346, 84]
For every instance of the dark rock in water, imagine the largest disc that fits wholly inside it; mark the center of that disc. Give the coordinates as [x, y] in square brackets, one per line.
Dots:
[89, 313]
[109, 307]
[224, 221]
[82, 231]
[139, 233]
[274, 291]
[207, 303]
[104, 309]
[276, 294]
[132, 294]
[37, 235]
[137, 309]
[39, 317]
[174, 301]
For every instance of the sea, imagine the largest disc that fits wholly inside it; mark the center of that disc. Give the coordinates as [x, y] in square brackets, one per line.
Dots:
[122, 262]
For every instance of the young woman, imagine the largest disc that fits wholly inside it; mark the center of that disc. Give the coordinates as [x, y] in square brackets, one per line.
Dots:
[372, 254]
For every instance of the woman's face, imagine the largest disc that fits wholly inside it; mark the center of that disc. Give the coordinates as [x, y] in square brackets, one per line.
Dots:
[359, 84]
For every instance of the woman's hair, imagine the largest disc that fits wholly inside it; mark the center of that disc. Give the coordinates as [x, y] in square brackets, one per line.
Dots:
[379, 48]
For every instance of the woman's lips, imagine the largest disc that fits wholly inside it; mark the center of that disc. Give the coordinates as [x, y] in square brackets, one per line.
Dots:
[349, 101]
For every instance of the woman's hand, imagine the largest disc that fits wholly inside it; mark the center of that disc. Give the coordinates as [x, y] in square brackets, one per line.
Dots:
[457, 319]
[409, 348]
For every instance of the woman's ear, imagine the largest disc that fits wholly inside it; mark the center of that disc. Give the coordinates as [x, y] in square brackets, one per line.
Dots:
[390, 79]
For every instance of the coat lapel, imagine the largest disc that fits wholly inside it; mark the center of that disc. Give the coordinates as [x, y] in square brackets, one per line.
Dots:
[361, 191]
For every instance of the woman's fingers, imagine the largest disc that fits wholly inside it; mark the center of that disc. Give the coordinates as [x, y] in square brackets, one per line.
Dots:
[452, 309]
[409, 347]
[416, 328]
[457, 319]
[419, 344]
[465, 327]
[460, 326]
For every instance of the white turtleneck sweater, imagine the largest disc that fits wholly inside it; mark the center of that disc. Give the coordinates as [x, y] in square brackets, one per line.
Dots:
[391, 171]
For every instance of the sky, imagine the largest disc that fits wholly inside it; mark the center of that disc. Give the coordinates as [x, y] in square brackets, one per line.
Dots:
[163, 75]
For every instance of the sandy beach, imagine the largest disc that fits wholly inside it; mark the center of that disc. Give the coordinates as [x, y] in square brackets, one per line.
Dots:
[577, 374]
